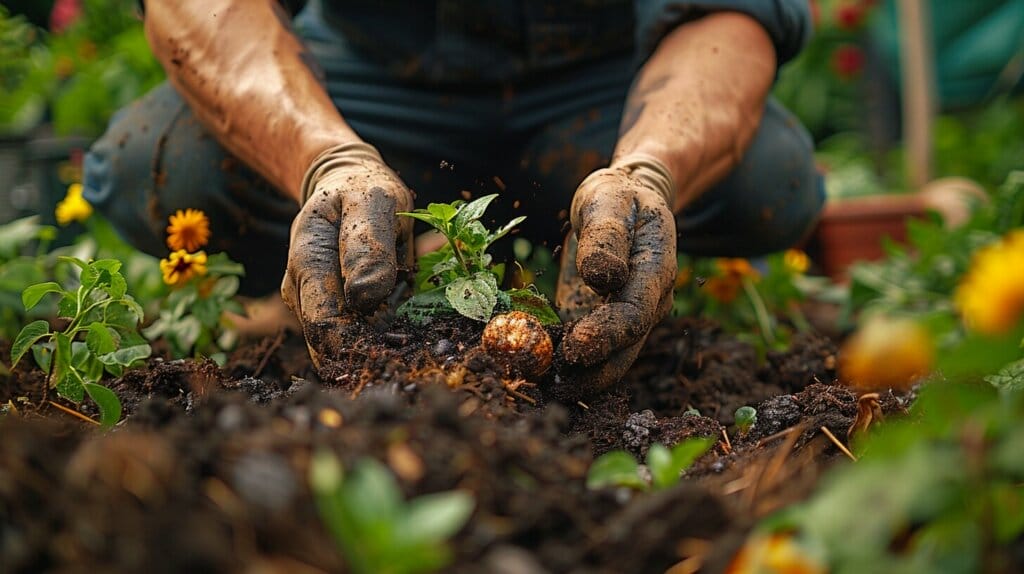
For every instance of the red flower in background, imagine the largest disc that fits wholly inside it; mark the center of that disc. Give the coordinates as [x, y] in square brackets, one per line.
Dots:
[847, 61]
[850, 15]
[64, 13]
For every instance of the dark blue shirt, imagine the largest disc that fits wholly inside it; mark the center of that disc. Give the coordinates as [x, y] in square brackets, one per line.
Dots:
[507, 40]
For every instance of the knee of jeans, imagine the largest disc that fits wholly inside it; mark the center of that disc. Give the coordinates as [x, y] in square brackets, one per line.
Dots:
[776, 194]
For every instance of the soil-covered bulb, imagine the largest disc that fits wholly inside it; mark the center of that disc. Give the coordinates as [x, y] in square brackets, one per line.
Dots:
[519, 343]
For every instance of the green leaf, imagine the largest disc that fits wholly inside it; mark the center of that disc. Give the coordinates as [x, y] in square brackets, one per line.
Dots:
[27, 337]
[687, 452]
[432, 264]
[1009, 379]
[31, 296]
[505, 229]
[442, 212]
[220, 264]
[67, 307]
[474, 297]
[473, 237]
[225, 287]
[530, 301]
[663, 472]
[616, 468]
[422, 308]
[745, 417]
[118, 286]
[433, 518]
[473, 210]
[69, 387]
[372, 493]
[107, 401]
[126, 356]
[74, 261]
[100, 340]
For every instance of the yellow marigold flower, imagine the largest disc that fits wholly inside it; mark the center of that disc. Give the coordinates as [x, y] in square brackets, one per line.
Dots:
[796, 261]
[189, 230]
[886, 353]
[774, 554]
[737, 267]
[180, 266]
[73, 207]
[990, 296]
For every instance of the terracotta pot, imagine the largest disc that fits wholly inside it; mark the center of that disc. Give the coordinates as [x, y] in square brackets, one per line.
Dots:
[853, 229]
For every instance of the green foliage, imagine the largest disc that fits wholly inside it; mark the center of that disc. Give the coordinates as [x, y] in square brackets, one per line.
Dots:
[81, 75]
[746, 418]
[18, 270]
[920, 278]
[943, 486]
[379, 532]
[191, 317]
[463, 270]
[760, 305]
[100, 338]
[666, 466]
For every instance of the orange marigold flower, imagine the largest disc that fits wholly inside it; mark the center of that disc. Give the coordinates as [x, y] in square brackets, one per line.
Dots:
[777, 554]
[189, 230]
[796, 261]
[180, 266]
[990, 296]
[723, 289]
[886, 353]
[73, 207]
[737, 267]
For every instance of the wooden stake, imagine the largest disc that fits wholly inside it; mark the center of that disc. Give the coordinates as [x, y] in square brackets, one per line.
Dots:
[72, 412]
[917, 70]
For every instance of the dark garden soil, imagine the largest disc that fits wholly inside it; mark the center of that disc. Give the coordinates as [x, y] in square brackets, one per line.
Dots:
[209, 471]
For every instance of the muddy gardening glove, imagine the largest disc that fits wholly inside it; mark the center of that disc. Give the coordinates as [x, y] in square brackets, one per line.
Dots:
[618, 269]
[347, 246]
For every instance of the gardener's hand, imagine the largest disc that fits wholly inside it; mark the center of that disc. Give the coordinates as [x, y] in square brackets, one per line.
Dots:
[617, 280]
[347, 246]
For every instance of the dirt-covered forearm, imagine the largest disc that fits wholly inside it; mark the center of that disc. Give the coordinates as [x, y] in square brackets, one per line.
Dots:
[244, 75]
[697, 102]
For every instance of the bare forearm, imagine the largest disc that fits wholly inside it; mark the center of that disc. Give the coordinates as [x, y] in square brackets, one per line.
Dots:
[697, 102]
[242, 72]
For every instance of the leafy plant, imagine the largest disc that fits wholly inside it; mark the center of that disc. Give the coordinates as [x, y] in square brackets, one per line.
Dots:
[666, 466]
[920, 278]
[191, 317]
[377, 531]
[461, 276]
[746, 418]
[100, 337]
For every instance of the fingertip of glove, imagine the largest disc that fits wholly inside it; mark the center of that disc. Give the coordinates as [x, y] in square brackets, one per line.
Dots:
[603, 271]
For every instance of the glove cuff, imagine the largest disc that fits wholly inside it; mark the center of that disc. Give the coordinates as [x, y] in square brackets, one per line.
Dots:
[652, 172]
[341, 155]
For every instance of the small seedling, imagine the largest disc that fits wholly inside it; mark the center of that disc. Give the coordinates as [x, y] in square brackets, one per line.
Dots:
[746, 418]
[101, 335]
[377, 531]
[666, 466]
[460, 276]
